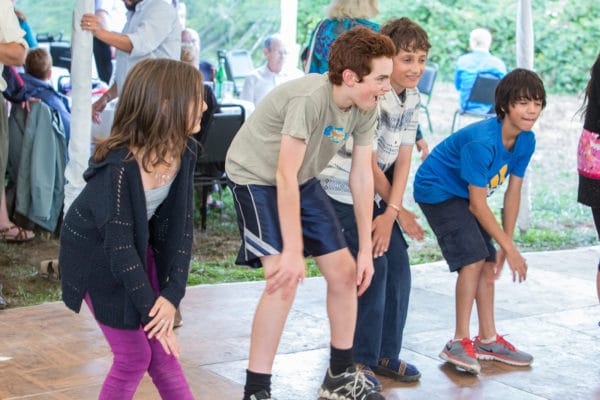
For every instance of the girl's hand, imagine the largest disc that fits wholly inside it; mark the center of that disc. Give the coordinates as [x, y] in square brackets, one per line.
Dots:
[170, 344]
[163, 317]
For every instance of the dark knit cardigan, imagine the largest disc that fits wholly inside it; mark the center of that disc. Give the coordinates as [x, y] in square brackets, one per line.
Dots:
[105, 235]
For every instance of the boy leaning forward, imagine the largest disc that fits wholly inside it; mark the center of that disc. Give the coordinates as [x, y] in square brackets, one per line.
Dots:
[284, 215]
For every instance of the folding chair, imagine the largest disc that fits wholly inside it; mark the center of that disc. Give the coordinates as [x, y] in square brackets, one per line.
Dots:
[425, 87]
[483, 91]
[215, 142]
[238, 65]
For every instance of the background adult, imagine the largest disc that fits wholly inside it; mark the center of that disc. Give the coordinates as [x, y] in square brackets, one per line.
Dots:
[191, 36]
[342, 15]
[12, 52]
[111, 13]
[152, 30]
[263, 79]
[38, 71]
[477, 61]
[29, 36]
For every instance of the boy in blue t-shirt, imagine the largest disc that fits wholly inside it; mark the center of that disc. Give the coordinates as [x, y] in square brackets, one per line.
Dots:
[452, 186]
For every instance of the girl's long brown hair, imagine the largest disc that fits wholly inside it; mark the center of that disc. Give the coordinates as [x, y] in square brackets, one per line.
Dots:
[159, 103]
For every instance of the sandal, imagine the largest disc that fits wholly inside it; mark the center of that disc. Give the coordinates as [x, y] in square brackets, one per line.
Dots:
[49, 269]
[397, 369]
[21, 235]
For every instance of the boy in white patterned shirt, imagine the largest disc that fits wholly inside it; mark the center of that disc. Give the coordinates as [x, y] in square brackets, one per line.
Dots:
[382, 308]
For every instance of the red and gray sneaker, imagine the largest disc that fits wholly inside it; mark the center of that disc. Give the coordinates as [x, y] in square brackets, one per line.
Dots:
[501, 350]
[461, 354]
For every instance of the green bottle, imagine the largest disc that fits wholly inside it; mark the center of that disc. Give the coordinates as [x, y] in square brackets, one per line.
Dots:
[220, 78]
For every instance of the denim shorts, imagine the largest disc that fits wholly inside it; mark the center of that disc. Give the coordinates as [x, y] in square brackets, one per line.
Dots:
[462, 239]
[258, 221]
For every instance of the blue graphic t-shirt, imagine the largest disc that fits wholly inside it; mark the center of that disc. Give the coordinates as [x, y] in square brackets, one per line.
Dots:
[475, 156]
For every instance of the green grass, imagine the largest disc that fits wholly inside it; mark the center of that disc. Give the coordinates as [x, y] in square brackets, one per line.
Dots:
[225, 271]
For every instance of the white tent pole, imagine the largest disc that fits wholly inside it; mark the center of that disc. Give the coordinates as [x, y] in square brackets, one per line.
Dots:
[289, 23]
[525, 53]
[525, 37]
[81, 96]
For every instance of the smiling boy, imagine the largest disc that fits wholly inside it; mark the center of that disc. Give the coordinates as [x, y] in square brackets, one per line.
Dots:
[452, 187]
[284, 214]
[382, 309]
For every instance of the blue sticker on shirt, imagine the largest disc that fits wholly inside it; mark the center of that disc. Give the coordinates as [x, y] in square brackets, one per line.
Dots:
[336, 135]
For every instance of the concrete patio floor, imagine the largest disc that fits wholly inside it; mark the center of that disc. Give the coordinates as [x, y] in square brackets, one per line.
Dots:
[48, 352]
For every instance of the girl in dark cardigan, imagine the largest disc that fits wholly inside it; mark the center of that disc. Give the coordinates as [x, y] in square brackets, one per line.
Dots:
[126, 240]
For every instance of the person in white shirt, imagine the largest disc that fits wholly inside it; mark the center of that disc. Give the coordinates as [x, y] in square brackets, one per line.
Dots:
[262, 80]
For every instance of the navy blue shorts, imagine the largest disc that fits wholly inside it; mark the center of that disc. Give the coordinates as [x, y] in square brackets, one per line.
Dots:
[462, 239]
[258, 220]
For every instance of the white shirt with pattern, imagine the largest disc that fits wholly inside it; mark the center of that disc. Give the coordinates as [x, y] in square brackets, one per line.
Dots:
[398, 118]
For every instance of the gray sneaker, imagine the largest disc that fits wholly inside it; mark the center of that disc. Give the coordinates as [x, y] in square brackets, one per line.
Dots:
[461, 354]
[349, 385]
[501, 350]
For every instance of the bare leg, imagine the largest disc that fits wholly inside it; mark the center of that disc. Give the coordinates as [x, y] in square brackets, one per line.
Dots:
[339, 270]
[485, 302]
[269, 320]
[4, 220]
[467, 284]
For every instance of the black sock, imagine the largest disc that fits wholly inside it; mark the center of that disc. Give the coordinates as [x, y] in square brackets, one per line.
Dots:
[256, 382]
[340, 360]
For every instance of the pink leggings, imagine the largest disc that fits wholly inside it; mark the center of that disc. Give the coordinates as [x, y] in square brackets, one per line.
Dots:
[134, 354]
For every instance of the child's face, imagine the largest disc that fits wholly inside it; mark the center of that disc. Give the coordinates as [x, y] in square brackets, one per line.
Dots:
[522, 114]
[408, 68]
[376, 84]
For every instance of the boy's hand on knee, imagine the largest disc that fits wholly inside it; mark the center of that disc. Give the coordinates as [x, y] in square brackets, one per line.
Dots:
[170, 344]
[382, 231]
[289, 271]
[498, 265]
[365, 271]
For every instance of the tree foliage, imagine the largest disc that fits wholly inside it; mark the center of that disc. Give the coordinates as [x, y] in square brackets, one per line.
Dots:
[566, 32]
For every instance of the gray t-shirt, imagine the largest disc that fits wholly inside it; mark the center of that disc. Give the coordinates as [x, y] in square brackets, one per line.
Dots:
[302, 108]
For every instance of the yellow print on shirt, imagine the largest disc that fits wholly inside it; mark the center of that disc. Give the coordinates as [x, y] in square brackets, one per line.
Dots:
[497, 180]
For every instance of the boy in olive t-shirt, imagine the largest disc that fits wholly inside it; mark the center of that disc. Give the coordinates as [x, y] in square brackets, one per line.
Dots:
[284, 215]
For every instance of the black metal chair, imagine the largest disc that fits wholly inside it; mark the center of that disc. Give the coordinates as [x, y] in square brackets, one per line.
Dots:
[483, 91]
[210, 166]
[425, 87]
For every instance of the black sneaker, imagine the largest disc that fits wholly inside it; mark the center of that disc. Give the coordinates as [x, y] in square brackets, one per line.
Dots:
[349, 385]
[262, 395]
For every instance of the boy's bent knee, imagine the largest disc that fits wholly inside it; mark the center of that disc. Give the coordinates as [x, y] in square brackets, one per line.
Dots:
[338, 268]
